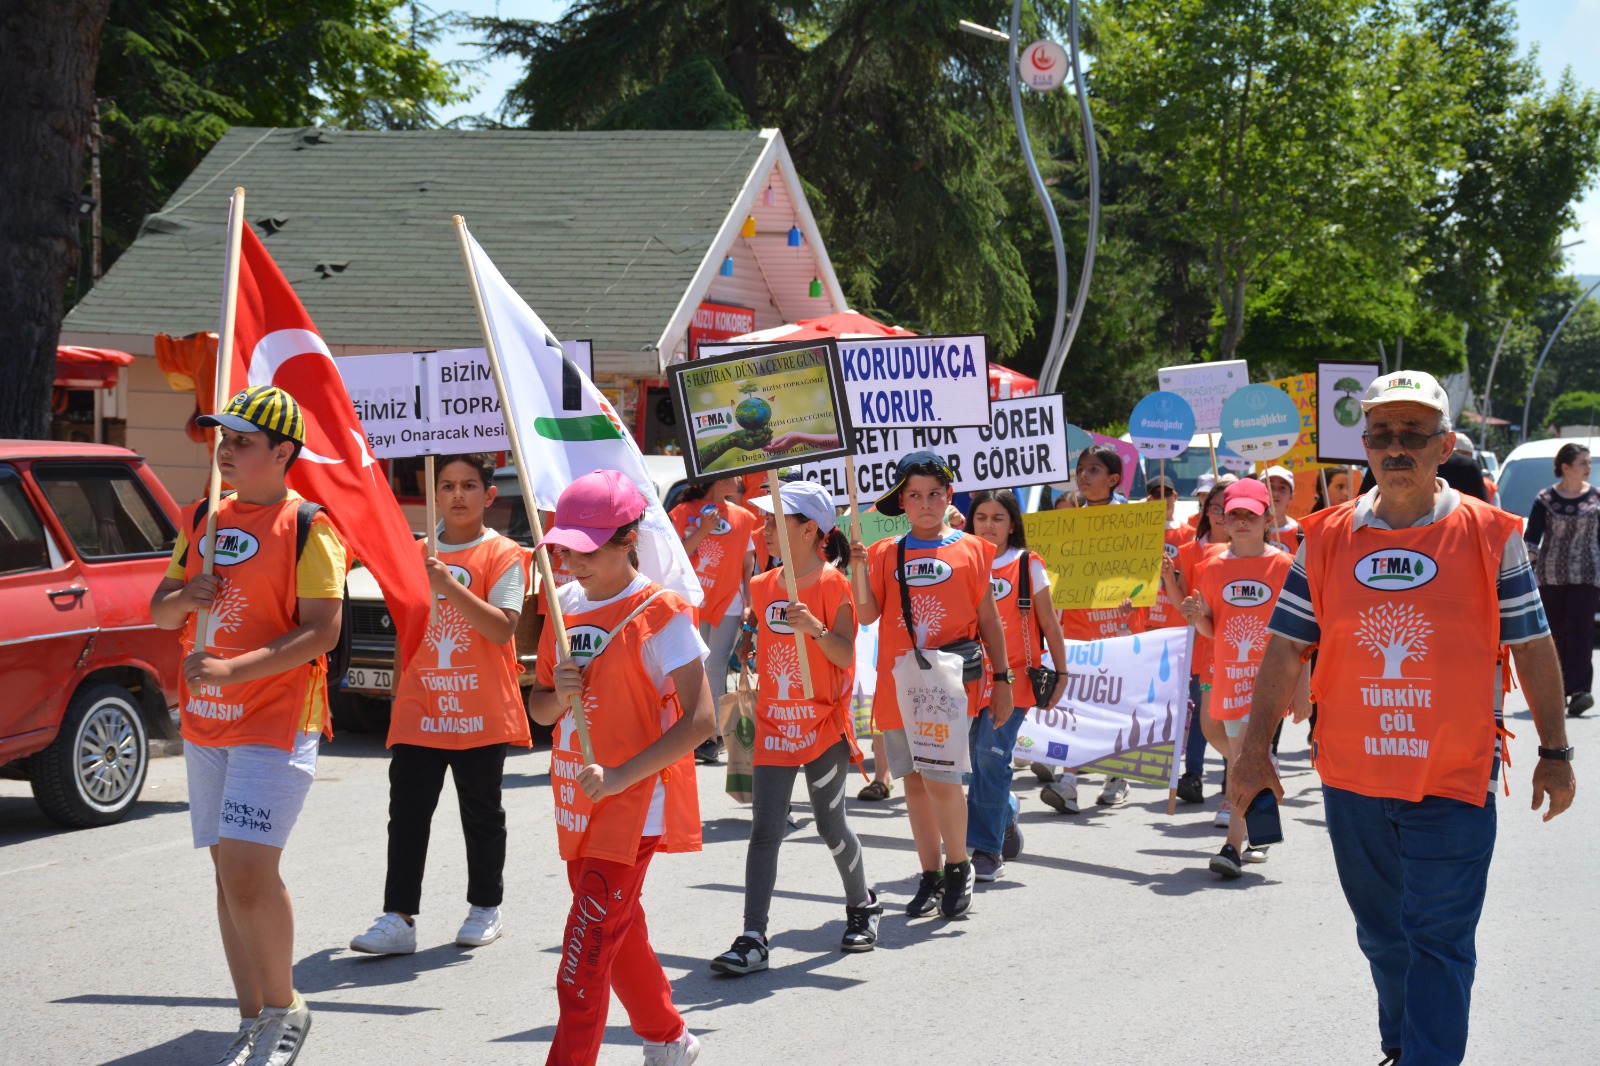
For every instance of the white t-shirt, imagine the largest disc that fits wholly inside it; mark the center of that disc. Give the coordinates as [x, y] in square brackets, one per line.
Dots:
[1035, 567]
[509, 592]
[676, 644]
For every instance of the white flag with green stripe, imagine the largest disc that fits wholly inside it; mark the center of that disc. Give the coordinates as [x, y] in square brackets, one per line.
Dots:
[568, 428]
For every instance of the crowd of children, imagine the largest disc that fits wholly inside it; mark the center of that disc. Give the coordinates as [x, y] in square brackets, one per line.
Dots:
[965, 623]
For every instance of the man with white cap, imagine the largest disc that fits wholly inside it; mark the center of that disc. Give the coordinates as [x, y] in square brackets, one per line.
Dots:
[1409, 593]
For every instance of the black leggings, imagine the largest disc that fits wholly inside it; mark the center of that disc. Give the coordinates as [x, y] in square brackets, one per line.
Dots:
[416, 775]
[1570, 609]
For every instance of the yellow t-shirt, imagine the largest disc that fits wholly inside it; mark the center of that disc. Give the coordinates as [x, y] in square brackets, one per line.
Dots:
[319, 575]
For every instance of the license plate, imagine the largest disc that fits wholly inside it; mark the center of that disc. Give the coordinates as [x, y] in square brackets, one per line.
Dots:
[367, 679]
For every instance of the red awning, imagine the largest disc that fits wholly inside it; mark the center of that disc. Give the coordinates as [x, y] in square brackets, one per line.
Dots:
[88, 368]
[1006, 384]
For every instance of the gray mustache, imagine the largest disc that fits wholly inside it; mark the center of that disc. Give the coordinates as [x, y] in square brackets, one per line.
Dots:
[1399, 462]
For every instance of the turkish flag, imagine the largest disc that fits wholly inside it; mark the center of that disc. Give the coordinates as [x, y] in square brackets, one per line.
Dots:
[276, 343]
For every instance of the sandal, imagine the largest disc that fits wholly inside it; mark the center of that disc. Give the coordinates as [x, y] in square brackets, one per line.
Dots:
[876, 790]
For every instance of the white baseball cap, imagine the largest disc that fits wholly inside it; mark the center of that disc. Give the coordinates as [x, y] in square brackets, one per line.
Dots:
[1282, 472]
[1465, 446]
[1406, 386]
[805, 499]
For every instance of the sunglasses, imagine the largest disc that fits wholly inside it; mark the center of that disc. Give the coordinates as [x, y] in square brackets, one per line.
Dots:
[1412, 442]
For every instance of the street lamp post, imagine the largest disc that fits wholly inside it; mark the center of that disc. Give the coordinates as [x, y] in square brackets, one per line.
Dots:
[1527, 406]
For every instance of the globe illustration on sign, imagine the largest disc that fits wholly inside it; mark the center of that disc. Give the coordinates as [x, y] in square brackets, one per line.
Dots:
[753, 412]
[1347, 410]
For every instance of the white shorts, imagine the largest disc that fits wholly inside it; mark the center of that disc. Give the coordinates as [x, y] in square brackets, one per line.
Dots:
[250, 792]
[1234, 727]
[897, 746]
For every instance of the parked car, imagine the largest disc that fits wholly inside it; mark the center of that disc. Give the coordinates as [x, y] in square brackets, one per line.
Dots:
[1529, 468]
[85, 534]
[362, 699]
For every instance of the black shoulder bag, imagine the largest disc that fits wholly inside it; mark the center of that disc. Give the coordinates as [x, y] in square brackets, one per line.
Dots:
[1041, 678]
[971, 651]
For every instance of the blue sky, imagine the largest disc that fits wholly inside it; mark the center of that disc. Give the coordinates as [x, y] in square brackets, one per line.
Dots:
[1566, 33]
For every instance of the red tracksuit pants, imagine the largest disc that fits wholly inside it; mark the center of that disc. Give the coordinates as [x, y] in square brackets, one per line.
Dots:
[607, 948]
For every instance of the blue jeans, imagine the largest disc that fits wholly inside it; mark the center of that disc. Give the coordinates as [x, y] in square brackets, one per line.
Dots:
[991, 807]
[1194, 741]
[1414, 875]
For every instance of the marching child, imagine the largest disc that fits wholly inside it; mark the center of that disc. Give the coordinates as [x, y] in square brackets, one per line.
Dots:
[257, 700]
[992, 830]
[458, 707]
[950, 601]
[1165, 615]
[1286, 531]
[717, 533]
[794, 734]
[637, 671]
[1231, 602]
[1099, 477]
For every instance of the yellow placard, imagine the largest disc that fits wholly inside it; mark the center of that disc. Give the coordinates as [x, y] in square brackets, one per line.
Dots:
[1302, 389]
[1099, 556]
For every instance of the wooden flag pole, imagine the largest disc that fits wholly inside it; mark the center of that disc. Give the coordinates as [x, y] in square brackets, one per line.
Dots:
[433, 532]
[789, 584]
[529, 502]
[220, 396]
[1211, 442]
[858, 580]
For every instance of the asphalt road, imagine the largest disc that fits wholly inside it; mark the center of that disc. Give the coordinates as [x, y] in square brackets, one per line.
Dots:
[1108, 942]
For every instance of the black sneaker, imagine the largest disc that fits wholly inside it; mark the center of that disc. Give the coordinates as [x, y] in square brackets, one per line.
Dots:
[1391, 1057]
[710, 752]
[861, 926]
[958, 881]
[1191, 789]
[1581, 702]
[929, 889]
[1226, 862]
[747, 955]
[1011, 843]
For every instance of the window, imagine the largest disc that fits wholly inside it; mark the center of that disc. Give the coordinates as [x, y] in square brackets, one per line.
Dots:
[105, 509]
[22, 545]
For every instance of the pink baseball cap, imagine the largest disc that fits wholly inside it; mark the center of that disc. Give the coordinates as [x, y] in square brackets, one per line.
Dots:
[1247, 494]
[592, 509]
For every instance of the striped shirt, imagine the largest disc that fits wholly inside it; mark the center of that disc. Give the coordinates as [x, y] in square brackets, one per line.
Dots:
[1521, 611]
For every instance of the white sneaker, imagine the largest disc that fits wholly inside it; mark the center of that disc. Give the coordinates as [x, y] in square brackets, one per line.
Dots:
[1253, 854]
[679, 1052]
[1115, 794]
[389, 935]
[1224, 815]
[244, 1042]
[283, 1034]
[1043, 771]
[1061, 794]
[481, 927]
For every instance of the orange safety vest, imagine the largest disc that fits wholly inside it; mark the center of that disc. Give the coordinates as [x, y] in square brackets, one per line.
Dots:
[1165, 613]
[1099, 623]
[790, 730]
[1289, 537]
[1241, 594]
[719, 560]
[460, 689]
[1192, 553]
[626, 714]
[1005, 582]
[1407, 668]
[255, 605]
[947, 585]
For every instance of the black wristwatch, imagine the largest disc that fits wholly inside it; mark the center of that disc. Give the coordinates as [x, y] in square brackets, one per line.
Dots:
[1008, 676]
[1562, 754]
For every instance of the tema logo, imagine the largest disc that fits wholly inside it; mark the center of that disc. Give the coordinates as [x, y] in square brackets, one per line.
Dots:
[234, 546]
[1246, 593]
[920, 573]
[587, 642]
[778, 617]
[722, 528]
[1396, 569]
[1000, 587]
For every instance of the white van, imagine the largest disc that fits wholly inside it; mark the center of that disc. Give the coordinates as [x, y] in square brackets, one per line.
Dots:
[1529, 468]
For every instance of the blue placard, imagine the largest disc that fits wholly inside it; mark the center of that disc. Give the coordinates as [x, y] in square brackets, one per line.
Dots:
[1077, 441]
[1230, 460]
[1161, 425]
[1261, 423]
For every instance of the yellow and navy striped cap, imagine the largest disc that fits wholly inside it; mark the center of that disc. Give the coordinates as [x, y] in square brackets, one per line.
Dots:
[260, 407]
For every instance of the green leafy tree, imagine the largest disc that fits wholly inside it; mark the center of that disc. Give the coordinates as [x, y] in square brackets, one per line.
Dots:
[1574, 409]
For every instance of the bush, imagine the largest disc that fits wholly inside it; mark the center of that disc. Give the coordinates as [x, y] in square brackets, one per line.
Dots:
[1574, 409]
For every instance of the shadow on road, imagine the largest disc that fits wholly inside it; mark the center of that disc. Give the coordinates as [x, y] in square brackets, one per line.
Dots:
[322, 971]
[197, 1045]
[230, 1004]
[21, 821]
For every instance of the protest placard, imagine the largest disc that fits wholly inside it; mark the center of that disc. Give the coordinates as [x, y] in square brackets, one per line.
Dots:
[1024, 444]
[1340, 420]
[1161, 425]
[1302, 389]
[905, 382]
[1260, 422]
[876, 526]
[1126, 452]
[1099, 556]
[1124, 712]
[1205, 386]
[760, 408]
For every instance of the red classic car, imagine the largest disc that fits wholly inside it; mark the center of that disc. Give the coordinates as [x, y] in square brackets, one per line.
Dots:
[85, 533]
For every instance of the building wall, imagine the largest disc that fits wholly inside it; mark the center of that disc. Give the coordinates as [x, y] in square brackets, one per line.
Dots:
[156, 417]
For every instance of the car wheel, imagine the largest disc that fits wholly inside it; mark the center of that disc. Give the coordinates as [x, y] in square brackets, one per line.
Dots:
[94, 770]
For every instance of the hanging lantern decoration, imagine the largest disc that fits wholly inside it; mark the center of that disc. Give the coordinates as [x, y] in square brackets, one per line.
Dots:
[795, 239]
[727, 267]
[816, 288]
[769, 198]
[749, 227]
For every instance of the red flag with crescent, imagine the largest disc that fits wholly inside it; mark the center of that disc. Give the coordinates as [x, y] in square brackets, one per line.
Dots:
[276, 343]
